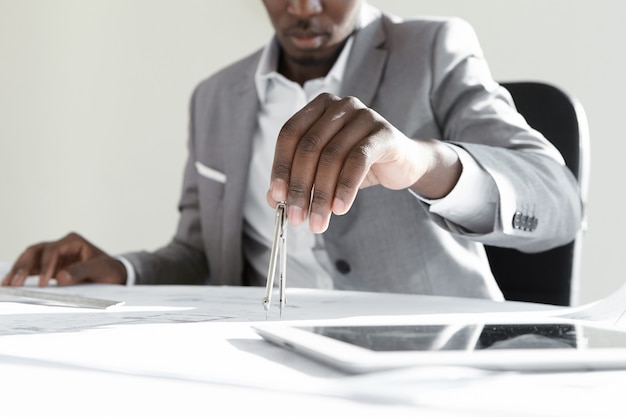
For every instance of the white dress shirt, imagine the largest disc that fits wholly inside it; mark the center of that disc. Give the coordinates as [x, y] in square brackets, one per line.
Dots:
[280, 99]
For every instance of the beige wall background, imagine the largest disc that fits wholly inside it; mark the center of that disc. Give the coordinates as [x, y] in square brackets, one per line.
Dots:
[94, 95]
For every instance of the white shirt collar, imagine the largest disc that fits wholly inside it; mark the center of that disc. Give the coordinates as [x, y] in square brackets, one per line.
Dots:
[268, 65]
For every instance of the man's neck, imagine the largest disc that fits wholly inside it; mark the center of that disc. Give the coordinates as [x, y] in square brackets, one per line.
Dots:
[301, 74]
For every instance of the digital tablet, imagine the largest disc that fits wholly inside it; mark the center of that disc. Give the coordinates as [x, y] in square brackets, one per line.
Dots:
[522, 346]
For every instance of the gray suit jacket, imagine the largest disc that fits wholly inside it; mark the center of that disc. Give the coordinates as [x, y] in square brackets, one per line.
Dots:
[428, 78]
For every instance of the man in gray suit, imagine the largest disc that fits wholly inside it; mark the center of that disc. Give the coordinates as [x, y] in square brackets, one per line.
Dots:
[388, 138]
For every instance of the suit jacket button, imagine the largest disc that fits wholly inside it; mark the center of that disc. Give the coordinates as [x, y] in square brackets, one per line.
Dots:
[524, 223]
[343, 267]
[517, 220]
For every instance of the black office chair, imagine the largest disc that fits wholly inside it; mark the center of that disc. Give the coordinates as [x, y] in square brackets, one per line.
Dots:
[550, 277]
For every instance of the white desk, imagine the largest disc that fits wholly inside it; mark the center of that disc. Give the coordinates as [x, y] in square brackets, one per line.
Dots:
[190, 351]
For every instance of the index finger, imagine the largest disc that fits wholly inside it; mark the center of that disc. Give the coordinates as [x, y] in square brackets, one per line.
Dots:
[27, 264]
[287, 142]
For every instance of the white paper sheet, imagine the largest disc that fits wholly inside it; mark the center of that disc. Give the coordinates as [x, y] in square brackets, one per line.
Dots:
[610, 310]
[173, 340]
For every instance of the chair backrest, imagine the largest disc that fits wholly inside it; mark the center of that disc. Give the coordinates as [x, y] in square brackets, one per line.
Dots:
[550, 277]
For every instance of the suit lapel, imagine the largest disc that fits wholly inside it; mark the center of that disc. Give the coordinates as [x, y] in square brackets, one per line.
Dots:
[367, 60]
[236, 150]
[241, 124]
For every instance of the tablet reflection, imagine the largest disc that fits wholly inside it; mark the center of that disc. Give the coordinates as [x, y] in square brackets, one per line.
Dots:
[455, 337]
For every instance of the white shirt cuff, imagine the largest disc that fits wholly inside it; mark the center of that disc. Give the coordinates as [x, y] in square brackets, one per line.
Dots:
[130, 270]
[472, 202]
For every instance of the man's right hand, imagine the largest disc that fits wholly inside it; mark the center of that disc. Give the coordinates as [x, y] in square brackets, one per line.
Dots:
[70, 260]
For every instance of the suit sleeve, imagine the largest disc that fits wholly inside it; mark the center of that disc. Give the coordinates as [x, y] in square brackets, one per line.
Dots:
[539, 204]
[183, 260]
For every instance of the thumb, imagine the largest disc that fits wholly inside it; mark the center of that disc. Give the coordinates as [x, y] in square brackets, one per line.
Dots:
[101, 269]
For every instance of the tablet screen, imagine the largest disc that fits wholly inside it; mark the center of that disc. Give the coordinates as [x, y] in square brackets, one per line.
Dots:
[474, 336]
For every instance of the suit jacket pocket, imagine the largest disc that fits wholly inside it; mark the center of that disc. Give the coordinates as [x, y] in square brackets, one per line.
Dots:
[210, 173]
[211, 184]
